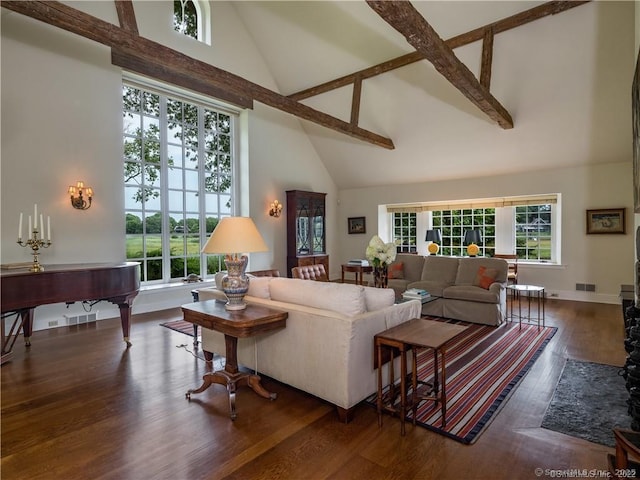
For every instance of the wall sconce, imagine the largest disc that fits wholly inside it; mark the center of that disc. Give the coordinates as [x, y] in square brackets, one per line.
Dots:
[275, 209]
[77, 199]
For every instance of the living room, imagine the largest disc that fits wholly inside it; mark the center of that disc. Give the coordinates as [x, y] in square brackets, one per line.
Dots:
[565, 78]
[67, 79]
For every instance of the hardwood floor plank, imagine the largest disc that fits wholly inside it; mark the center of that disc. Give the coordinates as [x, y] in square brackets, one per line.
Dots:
[79, 405]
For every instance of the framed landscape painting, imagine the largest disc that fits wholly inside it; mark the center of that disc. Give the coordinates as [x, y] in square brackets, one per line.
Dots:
[605, 221]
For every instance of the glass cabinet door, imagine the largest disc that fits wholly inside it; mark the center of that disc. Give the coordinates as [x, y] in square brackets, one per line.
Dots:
[317, 234]
[303, 246]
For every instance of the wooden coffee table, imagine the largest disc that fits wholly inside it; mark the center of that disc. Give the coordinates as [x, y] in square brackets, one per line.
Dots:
[413, 335]
[254, 320]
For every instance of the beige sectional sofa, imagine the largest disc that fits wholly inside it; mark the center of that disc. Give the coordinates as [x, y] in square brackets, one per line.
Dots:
[456, 282]
[326, 349]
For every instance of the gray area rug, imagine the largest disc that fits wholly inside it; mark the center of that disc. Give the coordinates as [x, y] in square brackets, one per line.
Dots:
[589, 401]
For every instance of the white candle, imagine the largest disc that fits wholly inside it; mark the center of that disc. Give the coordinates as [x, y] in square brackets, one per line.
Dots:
[20, 227]
[48, 228]
[35, 216]
[41, 228]
[29, 232]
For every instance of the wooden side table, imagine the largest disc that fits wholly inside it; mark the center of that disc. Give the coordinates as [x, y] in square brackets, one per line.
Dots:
[251, 321]
[627, 445]
[413, 335]
[359, 270]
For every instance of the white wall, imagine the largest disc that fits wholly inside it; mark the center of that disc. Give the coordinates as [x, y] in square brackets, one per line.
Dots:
[61, 119]
[604, 260]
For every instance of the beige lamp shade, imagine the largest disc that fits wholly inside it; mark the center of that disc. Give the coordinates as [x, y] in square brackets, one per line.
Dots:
[235, 235]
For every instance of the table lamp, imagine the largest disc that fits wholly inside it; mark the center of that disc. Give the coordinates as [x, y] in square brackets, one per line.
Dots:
[471, 239]
[234, 236]
[435, 237]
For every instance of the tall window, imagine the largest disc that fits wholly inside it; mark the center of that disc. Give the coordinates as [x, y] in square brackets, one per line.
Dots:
[405, 231]
[533, 232]
[454, 223]
[178, 182]
[185, 18]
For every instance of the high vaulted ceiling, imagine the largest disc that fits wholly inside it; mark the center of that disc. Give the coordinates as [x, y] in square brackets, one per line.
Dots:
[564, 79]
[521, 96]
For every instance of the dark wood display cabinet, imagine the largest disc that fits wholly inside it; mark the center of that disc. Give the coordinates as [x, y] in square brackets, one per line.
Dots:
[306, 229]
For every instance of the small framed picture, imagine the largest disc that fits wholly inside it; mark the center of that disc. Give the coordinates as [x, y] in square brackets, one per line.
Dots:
[606, 221]
[357, 225]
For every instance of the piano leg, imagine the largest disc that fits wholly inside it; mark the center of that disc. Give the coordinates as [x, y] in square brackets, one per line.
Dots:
[125, 319]
[27, 325]
[23, 319]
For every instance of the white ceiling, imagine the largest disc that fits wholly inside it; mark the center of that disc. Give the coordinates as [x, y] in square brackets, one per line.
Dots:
[565, 80]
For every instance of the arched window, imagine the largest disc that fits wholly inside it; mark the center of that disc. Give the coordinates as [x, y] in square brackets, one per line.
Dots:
[192, 18]
[185, 18]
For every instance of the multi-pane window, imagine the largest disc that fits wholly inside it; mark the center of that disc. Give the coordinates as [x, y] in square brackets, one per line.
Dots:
[405, 231]
[454, 223]
[533, 232]
[185, 18]
[178, 182]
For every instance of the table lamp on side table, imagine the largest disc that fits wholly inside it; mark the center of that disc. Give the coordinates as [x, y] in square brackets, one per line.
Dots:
[471, 239]
[435, 237]
[234, 236]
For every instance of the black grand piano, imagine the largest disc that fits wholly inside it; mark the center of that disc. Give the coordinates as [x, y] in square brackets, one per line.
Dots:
[22, 291]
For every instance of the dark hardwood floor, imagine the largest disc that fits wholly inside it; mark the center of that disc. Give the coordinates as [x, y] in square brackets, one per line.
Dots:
[79, 405]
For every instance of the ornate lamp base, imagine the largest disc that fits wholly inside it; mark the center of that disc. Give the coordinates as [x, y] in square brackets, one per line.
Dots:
[235, 283]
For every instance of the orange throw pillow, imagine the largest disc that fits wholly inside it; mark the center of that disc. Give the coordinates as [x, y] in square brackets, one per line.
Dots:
[485, 277]
[396, 270]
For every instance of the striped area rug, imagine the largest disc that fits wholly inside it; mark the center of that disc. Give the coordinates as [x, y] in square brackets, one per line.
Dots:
[484, 365]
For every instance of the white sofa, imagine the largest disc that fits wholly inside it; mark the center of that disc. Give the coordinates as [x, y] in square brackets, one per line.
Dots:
[327, 347]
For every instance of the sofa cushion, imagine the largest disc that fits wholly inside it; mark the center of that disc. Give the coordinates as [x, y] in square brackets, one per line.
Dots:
[471, 294]
[485, 277]
[412, 265]
[468, 269]
[440, 269]
[218, 278]
[378, 298]
[396, 270]
[343, 298]
[259, 287]
[435, 288]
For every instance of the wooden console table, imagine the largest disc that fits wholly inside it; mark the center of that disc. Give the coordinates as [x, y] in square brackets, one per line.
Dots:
[413, 335]
[359, 270]
[254, 320]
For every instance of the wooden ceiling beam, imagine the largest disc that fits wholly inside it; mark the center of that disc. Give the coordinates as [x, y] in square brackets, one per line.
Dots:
[402, 16]
[155, 67]
[126, 16]
[355, 101]
[152, 55]
[487, 59]
[549, 8]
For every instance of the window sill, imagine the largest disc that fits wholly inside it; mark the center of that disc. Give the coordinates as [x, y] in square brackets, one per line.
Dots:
[171, 286]
[525, 264]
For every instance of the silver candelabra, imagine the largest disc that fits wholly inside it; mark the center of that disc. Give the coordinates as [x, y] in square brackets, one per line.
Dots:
[36, 244]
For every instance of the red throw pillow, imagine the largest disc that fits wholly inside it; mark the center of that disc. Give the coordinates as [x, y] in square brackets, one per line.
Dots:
[395, 270]
[485, 277]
